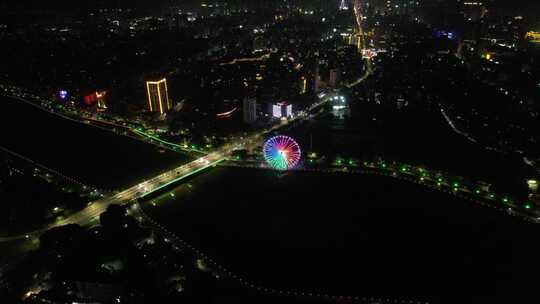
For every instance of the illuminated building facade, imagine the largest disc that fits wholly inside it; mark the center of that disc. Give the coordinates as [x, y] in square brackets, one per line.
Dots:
[533, 185]
[158, 96]
[63, 94]
[303, 85]
[90, 99]
[281, 110]
[98, 98]
[343, 5]
[312, 77]
[533, 36]
[101, 101]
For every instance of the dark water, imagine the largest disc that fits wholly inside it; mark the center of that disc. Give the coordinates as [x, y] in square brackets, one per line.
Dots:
[363, 235]
[94, 156]
[420, 137]
[350, 234]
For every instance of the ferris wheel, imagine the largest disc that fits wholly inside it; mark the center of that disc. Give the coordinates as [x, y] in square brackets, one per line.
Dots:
[282, 152]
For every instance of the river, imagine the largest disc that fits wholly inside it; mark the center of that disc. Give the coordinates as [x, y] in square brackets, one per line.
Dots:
[93, 156]
[345, 234]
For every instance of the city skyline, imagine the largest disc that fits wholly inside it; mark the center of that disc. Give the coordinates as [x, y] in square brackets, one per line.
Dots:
[257, 151]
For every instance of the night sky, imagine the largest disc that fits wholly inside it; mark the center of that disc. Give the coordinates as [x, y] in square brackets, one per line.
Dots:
[145, 3]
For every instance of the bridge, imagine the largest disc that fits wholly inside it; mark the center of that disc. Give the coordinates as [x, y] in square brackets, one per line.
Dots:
[94, 209]
[145, 188]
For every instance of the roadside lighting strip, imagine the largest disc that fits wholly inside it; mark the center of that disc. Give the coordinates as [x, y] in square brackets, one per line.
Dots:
[163, 141]
[83, 120]
[182, 177]
[521, 212]
[364, 77]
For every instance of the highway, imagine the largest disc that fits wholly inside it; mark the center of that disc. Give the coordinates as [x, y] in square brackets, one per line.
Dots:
[249, 59]
[360, 32]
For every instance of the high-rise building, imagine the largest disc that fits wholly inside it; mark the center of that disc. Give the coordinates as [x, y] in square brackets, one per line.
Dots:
[281, 110]
[313, 77]
[101, 100]
[343, 5]
[317, 79]
[250, 110]
[158, 97]
[334, 78]
[533, 185]
[303, 85]
[97, 97]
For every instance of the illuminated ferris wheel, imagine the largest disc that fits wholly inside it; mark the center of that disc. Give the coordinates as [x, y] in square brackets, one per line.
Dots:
[282, 152]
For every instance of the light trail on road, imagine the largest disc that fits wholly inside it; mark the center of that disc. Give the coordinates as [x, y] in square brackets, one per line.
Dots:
[360, 32]
[253, 59]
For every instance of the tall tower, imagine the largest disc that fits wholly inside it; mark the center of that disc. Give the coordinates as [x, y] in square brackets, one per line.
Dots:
[158, 97]
[101, 102]
[250, 110]
[315, 81]
[334, 78]
[343, 5]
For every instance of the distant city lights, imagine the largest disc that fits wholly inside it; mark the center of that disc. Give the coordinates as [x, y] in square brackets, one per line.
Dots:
[63, 94]
[447, 34]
